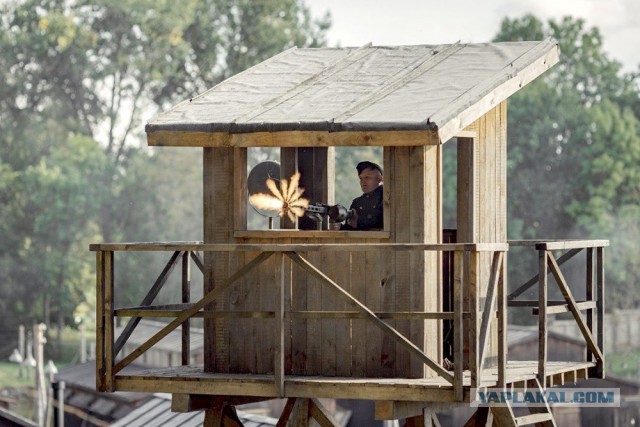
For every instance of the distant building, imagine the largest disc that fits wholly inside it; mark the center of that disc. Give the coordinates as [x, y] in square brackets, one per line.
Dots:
[523, 344]
[167, 352]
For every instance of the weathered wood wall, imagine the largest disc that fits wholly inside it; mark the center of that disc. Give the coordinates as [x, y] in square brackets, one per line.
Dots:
[482, 198]
[384, 281]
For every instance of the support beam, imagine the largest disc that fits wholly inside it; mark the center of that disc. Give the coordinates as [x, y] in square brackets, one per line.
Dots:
[399, 338]
[207, 299]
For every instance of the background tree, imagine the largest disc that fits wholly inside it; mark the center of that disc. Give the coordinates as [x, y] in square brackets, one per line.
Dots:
[93, 70]
[574, 147]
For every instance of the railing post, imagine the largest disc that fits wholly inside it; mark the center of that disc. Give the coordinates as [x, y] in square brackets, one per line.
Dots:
[590, 284]
[542, 317]
[502, 323]
[278, 359]
[600, 308]
[458, 322]
[108, 320]
[186, 298]
[472, 287]
[100, 337]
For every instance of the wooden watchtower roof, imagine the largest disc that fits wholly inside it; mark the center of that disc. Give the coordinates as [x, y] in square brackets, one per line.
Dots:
[319, 96]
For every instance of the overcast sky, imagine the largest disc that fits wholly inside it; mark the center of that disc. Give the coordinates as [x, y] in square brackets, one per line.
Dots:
[395, 22]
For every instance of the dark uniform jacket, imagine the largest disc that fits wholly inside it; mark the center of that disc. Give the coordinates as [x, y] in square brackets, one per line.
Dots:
[369, 208]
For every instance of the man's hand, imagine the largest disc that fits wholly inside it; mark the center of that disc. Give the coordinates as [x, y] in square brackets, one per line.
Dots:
[353, 219]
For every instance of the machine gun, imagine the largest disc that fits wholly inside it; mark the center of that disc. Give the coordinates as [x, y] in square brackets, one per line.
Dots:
[335, 213]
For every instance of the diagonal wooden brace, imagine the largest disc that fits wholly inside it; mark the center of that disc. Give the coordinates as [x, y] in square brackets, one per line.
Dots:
[401, 339]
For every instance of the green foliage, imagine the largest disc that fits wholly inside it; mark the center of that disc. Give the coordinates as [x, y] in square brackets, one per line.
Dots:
[78, 77]
[574, 150]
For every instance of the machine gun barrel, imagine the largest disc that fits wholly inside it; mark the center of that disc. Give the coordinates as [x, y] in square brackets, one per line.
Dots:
[336, 213]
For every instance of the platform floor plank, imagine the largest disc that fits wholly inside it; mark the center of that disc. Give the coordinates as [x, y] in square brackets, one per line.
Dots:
[191, 379]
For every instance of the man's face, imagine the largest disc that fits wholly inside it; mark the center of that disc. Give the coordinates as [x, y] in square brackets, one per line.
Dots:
[370, 179]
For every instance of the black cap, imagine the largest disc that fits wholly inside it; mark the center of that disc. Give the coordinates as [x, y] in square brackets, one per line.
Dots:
[368, 165]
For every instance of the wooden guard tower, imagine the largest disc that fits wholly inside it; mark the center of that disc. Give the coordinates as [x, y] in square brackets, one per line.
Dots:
[308, 314]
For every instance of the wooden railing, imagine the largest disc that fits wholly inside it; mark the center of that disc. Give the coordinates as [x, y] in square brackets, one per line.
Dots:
[592, 328]
[467, 259]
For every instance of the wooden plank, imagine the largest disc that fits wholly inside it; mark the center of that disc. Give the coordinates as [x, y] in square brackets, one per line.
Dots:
[328, 332]
[600, 308]
[286, 412]
[100, 323]
[242, 327]
[197, 261]
[502, 324]
[207, 299]
[473, 288]
[299, 327]
[371, 316]
[158, 311]
[278, 359]
[223, 215]
[466, 206]
[438, 303]
[186, 298]
[490, 303]
[458, 324]
[321, 414]
[265, 281]
[306, 235]
[181, 402]
[402, 193]
[571, 244]
[536, 279]
[314, 327]
[571, 302]
[239, 196]
[368, 242]
[542, 318]
[590, 293]
[388, 154]
[293, 139]
[109, 304]
[343, 327]
[374, 337]
[209, 226]
[359, 290]
[564, 308]
[300, 415]
[147, 300]
[426, 270]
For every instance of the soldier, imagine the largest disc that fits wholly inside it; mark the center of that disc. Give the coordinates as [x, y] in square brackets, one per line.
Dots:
[366, 210]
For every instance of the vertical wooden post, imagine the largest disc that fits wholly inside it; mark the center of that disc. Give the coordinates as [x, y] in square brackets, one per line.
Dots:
[186, 297]
[473, 289]
[467, 209]
[458, 336]
[108, 320]
[502, 323]
[278, 358]
[288, 166]
[600, 307]
[590, 284]
[224, 200]
[100, 363]
[542, 317]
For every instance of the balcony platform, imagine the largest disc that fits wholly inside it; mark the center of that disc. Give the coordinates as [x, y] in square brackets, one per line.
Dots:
[191, 379]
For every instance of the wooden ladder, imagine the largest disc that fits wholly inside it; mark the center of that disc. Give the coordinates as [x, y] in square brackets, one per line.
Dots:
[503, 415]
